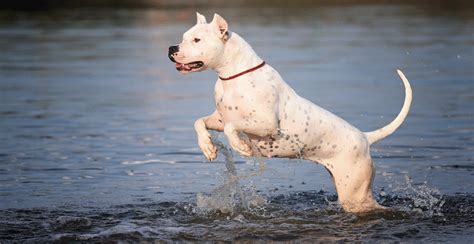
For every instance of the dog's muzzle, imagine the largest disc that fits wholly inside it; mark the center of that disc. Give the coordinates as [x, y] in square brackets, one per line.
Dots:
[172, 51]
[183, 67]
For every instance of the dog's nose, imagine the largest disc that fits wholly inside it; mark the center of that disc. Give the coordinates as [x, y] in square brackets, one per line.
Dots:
[171, 51]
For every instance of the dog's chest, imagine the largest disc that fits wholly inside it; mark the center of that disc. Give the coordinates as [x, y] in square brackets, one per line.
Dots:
[232, 106]
[235, 104]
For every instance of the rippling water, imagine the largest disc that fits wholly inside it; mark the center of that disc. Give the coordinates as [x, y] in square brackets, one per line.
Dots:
[97, 140]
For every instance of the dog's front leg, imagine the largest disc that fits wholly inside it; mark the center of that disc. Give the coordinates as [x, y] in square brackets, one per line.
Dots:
[211, 122]
[261, 127]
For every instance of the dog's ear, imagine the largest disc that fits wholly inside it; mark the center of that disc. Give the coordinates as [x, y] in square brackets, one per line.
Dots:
[201, 19]
[221, 26]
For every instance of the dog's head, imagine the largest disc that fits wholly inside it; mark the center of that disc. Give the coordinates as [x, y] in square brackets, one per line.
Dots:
[202, 46]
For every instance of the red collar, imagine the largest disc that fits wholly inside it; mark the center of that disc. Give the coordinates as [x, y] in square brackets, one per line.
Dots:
[243, 72]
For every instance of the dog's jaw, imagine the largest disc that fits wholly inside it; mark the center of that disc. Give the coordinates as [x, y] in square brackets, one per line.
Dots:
[195, 66]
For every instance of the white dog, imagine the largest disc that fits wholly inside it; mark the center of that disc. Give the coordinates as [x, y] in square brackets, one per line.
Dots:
[260, 114]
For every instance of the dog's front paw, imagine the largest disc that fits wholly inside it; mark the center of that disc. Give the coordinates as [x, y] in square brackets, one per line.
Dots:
[209, 149]
[241, 147]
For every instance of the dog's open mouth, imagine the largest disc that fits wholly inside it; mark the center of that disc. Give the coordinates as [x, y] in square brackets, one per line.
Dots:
[189, 66]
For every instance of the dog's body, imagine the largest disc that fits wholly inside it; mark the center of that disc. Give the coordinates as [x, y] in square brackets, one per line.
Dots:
[261, 115]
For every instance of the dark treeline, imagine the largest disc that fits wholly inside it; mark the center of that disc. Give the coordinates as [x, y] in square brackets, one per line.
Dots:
[53, 4]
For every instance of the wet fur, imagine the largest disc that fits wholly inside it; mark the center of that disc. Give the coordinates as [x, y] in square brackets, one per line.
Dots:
[261, 115]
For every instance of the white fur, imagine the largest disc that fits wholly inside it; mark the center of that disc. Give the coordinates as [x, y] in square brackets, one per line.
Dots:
[260, 109]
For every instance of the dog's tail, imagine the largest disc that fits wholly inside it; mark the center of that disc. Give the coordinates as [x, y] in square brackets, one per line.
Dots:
[379, 134]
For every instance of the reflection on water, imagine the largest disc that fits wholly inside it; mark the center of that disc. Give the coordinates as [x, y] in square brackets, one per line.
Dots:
[97, 136]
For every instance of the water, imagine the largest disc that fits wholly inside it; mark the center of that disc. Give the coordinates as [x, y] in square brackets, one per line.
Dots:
[97, 140]
[231, 196]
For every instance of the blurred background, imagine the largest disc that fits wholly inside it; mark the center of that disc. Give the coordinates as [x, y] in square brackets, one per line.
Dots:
[48, 4]
[93, 113]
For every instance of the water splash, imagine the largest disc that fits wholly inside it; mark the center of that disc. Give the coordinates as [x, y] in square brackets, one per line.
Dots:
[420, 198]
[232, 196]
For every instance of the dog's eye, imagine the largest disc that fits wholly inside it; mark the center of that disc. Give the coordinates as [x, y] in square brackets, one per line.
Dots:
[196, 40]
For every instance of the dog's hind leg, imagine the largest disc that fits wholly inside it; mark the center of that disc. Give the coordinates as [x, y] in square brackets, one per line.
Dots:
[353, 179]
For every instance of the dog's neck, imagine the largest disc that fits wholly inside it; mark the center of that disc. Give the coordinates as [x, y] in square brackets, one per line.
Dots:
[238, 56]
